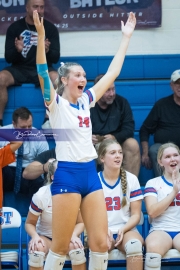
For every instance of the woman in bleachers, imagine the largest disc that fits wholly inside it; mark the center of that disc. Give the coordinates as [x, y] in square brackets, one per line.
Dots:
[162, 199]
[123, 198]
[39, 227]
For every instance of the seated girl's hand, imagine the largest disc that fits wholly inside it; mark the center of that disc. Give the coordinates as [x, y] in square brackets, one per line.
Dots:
[76, 241]
[176, 179]
[119, 237]
[34, 243]
[38, 23]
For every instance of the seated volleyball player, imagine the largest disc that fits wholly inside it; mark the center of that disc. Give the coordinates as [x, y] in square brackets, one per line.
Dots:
[162, 198]
[76, 183]
[123, 198]
[39, 227]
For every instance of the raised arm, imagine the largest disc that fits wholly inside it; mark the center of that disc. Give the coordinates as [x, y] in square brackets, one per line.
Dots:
[115, 67]
[42, 68]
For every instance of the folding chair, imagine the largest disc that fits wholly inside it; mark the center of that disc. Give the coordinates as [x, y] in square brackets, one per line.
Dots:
[117, 258]
[172, 257]
[11, 219]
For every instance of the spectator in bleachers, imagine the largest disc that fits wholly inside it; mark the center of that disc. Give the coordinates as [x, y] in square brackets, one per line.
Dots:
[20, 51]
[40, 165]
[39, 227]
[123, 198]
[162, 199]
[163, 122]
[12, 174]
[7, 156]
[112, 118]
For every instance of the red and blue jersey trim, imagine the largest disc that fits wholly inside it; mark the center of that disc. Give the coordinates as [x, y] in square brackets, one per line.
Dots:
[35, 208]
[57, 98]
[90, 96]
[150, 190]
[136, 193]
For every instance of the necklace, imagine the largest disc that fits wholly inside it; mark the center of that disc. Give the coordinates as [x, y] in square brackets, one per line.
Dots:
[27, 25]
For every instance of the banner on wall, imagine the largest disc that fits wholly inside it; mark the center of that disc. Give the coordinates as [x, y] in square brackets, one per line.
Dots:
[84, 15]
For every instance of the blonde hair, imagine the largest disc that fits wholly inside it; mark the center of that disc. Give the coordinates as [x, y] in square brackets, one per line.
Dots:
[52, 166]
[101, 153]
[161, 151]
[63, 71]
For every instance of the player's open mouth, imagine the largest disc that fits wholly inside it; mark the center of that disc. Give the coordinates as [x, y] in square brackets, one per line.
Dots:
[80, 87]
[117, 161]
[173, 165]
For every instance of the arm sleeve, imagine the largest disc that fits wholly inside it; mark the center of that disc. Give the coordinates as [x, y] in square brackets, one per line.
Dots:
[149, 189]
[150, 124]
[53, 54]
[127, 127]
[11, 54]
[7, 155]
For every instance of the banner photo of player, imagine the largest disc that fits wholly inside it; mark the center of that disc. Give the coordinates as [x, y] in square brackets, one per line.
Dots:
[84, 15]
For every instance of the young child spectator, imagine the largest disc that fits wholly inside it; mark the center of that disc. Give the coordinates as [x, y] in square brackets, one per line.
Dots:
[39, 227]
[123, 198]
[162, 199]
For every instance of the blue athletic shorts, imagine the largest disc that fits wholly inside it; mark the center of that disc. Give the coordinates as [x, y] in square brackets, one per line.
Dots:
[75, 177]
[115, 236]
[172, 234]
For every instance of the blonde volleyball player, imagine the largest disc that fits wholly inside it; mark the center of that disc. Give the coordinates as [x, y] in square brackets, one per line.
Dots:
[123, 198]
[162, 198]
[39, 227]
[76, 183]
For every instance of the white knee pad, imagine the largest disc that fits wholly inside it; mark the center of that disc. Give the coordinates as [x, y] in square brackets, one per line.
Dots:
[98, 261]
[36, 259]
[152, 261]
[54, 261]
[133, 248]
[77, 256]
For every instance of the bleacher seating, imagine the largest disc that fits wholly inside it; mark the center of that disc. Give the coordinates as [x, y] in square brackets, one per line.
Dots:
[142, 81]
[11, 222]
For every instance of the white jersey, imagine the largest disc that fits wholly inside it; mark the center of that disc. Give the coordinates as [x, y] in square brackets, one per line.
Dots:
[41, 205]
[169, 220]
[118, 216]
[73, 123]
